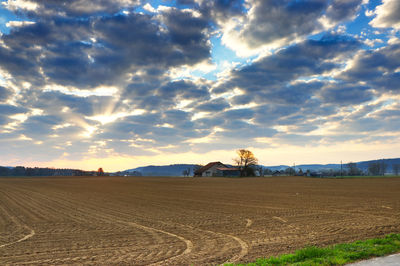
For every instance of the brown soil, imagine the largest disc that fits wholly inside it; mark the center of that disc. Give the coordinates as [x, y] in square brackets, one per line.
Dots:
[181, 221]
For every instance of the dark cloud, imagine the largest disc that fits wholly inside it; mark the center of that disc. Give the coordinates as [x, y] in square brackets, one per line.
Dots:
[285, 15]
[310, 57]
[6, 109]
[220, 11]
[145, 83]
[378, 68]
[239, 129]
[40, 126]
[214, 105]
[73, 8]
[368, 123]
[55, 102]
[364, 111]
[207, 123]
[242, 99]
[244, 113]
[3, 120]
[176, 116]
[170, 127]
[102, 50]
[187, 33]
[343, 94]
[298, 93]
[269, 114]
[341, 10]
[294, 19]
[145, 119]
[185, 89]
[4, 94]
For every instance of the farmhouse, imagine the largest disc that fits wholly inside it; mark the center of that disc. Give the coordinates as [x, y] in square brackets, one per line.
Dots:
[217, 169]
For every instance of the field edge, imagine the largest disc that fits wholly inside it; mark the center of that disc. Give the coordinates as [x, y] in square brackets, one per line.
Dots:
[339, 254]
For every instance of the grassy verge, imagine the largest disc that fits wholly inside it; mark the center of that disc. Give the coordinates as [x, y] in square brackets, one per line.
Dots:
[356, 177]
[339, 254]
[364, 176]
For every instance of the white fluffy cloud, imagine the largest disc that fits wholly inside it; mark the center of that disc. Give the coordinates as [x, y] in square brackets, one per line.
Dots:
[387, 15]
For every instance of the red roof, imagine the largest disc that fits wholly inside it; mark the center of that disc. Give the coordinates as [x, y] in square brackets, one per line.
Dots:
[228, 169]
[208, 166]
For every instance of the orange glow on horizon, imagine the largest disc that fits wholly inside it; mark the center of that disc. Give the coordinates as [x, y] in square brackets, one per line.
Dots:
[284, 155]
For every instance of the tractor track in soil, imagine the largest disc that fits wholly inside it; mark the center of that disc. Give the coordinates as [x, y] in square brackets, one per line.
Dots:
[181, 221]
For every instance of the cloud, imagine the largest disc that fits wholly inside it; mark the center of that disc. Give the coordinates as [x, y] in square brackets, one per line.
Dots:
[40, 127]
[18, 23]
[217, 11]
[311, 57]
[378, 68]
[214, 105]
[342, 10]
[41, 8]
[270, 114]
[294, 19]
[55, 102]
[300, 90]
[103, 50]
[299, 139]
[185, 89]
[387, 15]
[6, 109]
[346, 94]
[15, 5]
[237, 114]
[4, 94]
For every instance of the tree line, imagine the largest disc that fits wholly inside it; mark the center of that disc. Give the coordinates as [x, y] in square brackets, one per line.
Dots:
[248, 166]
[37, 171]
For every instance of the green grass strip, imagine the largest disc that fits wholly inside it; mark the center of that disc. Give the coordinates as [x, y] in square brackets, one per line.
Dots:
[339, 254]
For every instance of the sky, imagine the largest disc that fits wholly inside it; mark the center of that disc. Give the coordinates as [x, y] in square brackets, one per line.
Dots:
[127, 83]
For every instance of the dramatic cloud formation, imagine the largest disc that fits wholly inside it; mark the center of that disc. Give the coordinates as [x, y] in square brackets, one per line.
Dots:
[124, 83]
[276, 23]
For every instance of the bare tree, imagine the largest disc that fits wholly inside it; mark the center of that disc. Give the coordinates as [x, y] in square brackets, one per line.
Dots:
[396, 169]
[245, 161]
[377, 167]
[300, 172]
[260, 170]
[290, 171]
[353, 169]
[196, 168]
[186, 172]
[374, 168]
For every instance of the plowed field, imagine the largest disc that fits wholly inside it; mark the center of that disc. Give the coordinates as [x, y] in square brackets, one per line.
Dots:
[182, 221]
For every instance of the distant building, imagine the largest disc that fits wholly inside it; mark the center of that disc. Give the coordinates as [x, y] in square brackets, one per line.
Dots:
[226, 171]
[217, 169]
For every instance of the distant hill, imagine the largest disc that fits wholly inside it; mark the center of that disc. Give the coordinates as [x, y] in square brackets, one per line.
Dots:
[318, 167]
[388, 162]
[164, 170]
[177, 169]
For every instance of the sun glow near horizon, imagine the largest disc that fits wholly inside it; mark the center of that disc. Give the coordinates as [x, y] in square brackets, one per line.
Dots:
[285, 155]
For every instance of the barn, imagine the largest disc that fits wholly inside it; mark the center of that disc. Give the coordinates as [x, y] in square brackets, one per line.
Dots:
[217, 169]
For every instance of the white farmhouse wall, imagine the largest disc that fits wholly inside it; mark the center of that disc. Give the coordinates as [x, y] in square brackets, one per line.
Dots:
[212, 171]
